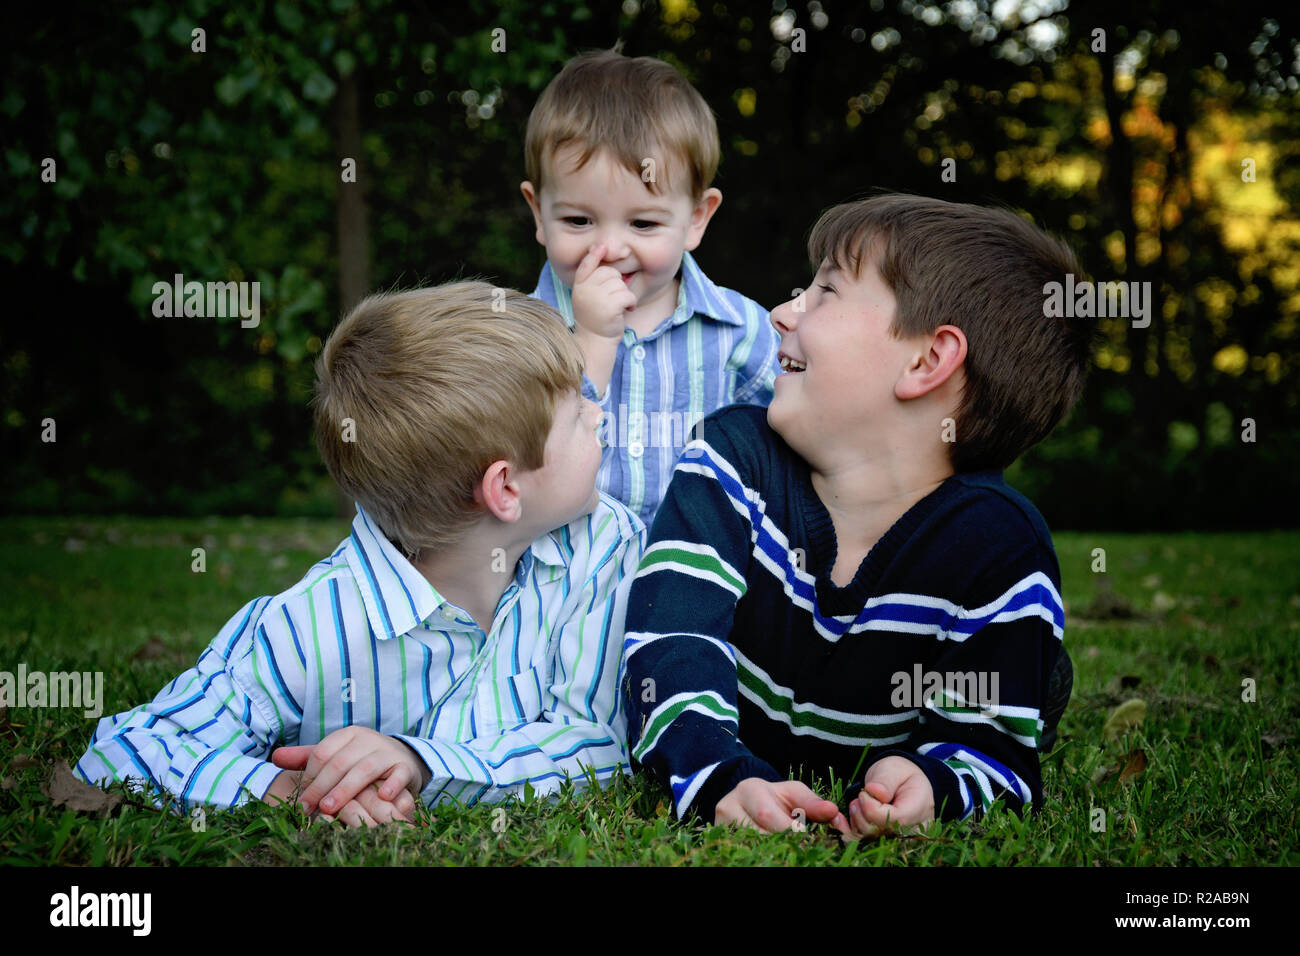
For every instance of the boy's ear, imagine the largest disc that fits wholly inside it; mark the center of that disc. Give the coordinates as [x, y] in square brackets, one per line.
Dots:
[937, 360]
[700, 216]
[498, 492]
[530, 194]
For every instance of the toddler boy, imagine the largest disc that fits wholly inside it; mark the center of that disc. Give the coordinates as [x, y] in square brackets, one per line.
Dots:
[620, 155]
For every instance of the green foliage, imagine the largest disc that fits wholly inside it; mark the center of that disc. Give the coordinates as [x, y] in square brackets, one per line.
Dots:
[225, 165]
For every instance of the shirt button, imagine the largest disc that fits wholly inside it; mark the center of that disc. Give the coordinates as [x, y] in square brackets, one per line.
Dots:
[638, 353]
[448, 614]
[636, 449]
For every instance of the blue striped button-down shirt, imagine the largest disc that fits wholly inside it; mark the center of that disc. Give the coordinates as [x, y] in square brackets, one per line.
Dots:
[716, 349]
[365, 639]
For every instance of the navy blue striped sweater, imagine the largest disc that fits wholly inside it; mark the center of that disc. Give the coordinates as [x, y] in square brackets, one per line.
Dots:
[745, 660]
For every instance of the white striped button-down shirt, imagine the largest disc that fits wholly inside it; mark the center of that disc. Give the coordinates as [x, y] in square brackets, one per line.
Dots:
[365, 639]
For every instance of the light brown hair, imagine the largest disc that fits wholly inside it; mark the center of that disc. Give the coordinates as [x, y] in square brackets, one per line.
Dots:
[638, 108]
[418, 392]
[983, 270]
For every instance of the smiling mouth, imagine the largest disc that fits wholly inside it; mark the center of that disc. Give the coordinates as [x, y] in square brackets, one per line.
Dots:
[791, 365]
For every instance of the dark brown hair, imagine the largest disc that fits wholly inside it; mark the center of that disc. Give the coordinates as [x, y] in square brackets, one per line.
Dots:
[983, 270]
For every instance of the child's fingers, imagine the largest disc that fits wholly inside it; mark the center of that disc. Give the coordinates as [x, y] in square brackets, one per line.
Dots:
[354, 814]
[318, 766]
[876, 812]
[396, 782]
[405, 804]
[324, 788]
[291, 758]
[797, 795]
[914, 801]
[362, 775]
[858, 822]
[878, 790]
[589, 263]
[381, 810]
[743, 819]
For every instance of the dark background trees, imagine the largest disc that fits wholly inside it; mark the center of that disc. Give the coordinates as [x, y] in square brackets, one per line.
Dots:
[1162, 141]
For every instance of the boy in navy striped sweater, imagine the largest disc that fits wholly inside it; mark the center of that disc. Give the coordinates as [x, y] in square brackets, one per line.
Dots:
[842, 586]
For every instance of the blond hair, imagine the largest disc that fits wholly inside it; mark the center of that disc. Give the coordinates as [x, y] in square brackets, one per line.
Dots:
[638, 109]
[418, 392]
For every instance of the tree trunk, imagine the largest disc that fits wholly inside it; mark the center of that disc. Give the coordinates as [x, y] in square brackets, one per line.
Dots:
[353, 234]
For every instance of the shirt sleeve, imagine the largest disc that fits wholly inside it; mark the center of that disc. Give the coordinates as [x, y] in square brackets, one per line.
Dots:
[978, 734]
[758, 363]
[681, 669]
[205, 737]
[581, 732]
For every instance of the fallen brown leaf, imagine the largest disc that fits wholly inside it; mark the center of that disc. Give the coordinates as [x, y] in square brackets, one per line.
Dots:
[1129, 715]
[152, 650]
[65, 790]
[1135, 763]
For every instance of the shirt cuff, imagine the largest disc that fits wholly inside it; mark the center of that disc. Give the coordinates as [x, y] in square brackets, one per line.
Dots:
[725, 778]
[251, 776]
[441, 756]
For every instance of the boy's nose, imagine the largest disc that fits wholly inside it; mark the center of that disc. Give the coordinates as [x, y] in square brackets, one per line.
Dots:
[784, 318]
[615, 247]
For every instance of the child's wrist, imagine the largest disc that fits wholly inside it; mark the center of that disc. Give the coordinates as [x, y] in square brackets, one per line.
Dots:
[588, 334]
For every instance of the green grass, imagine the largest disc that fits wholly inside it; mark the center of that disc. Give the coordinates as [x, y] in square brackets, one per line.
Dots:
[1177, 620]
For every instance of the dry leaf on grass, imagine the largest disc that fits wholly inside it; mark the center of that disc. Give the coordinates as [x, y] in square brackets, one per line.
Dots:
[1134, 764]
[1129, 715]
[65, 790]
[152, 650]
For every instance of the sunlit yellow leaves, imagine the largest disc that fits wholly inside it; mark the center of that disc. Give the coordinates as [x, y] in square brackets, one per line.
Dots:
[1231, 360]
[746, 101]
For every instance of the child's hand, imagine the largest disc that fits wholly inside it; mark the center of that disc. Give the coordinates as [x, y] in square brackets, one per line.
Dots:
[347, 762]
[283, 787]
[369, 809]
[772, 807]
[601, 299]
[897, 793]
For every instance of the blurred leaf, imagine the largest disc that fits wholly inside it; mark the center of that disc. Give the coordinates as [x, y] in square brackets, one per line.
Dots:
[1128, 716]
[1134, 764]
[319, 87]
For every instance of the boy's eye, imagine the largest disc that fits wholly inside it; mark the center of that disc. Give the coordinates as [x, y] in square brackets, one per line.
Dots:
[826, 288]
[644, 224]
[576, 220]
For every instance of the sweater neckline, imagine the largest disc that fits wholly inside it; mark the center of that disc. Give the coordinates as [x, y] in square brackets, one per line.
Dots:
[822, 541]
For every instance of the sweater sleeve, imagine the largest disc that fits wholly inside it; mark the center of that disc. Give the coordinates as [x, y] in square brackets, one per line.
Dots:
[680, 668]
[978, 731]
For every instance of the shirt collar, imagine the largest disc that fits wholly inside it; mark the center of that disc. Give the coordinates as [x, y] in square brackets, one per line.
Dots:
[396, 595]
[697, 295]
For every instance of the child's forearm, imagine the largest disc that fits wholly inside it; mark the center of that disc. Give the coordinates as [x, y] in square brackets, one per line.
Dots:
[598, 354]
